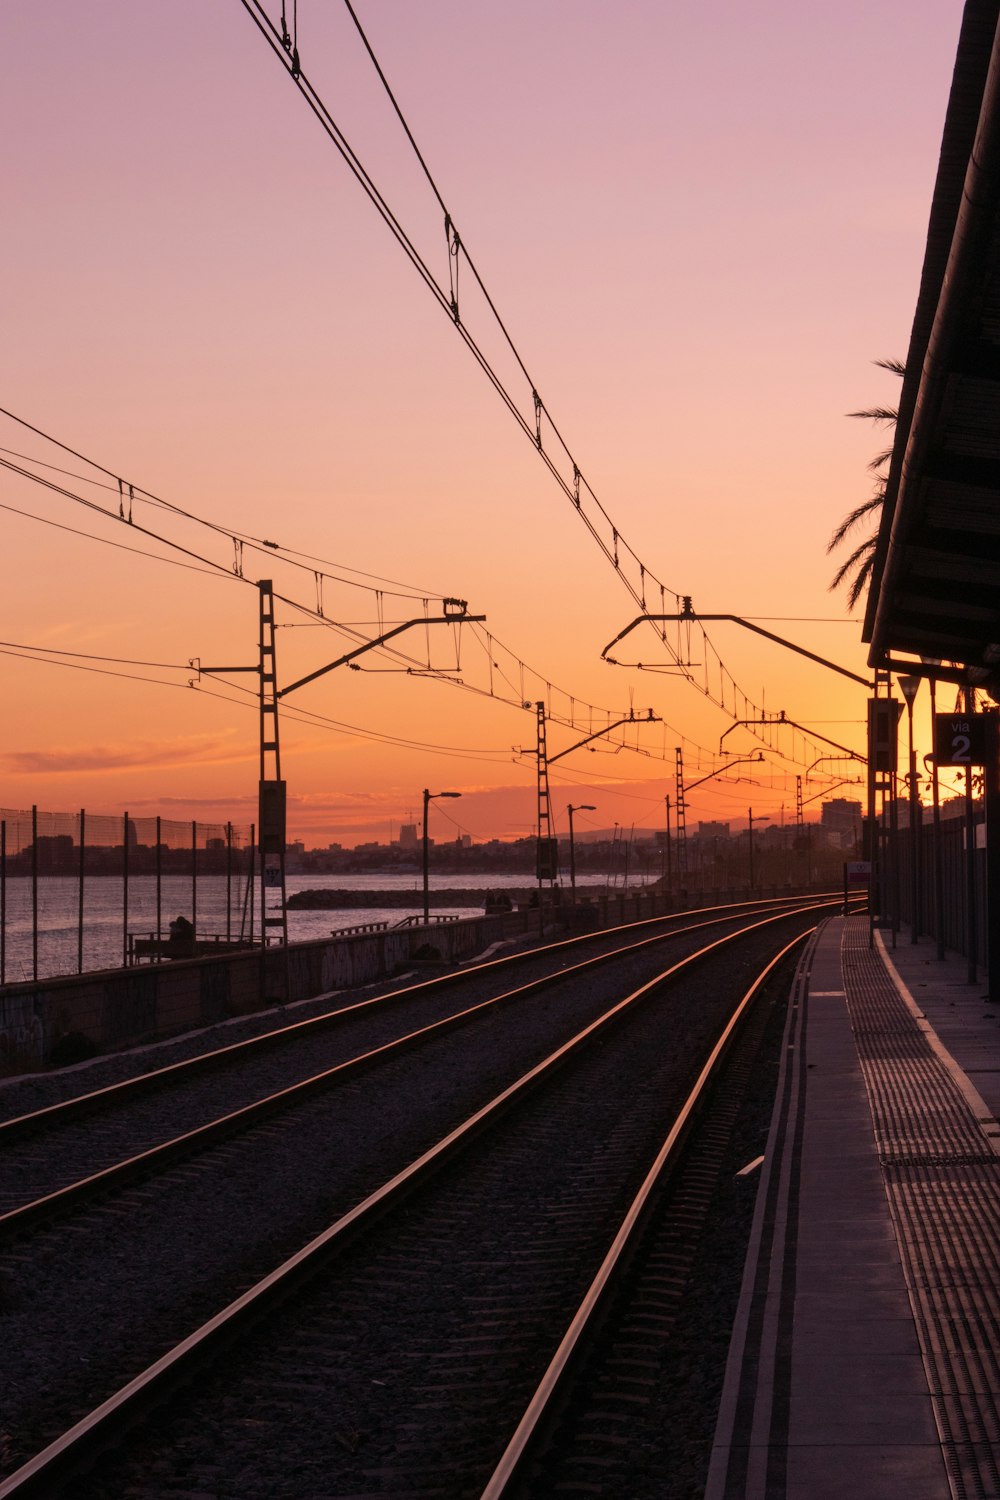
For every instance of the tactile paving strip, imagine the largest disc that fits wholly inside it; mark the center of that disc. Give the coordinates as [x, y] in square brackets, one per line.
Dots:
[943, 1185]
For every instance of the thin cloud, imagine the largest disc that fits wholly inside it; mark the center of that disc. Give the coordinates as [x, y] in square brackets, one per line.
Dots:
[145, 755]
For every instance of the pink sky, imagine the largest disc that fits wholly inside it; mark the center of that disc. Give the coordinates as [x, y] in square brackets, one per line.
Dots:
[701, 222]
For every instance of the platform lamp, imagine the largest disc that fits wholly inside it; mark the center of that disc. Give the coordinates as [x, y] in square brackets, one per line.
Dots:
[580, 807]
[751, 820]
[908, 686]
[430, 797]
[930, 764]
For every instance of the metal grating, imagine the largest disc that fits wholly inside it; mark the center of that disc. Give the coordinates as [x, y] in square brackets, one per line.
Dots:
[943, 1185]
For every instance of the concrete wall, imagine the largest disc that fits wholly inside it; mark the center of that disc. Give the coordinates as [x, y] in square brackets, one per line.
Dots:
[63, 1020]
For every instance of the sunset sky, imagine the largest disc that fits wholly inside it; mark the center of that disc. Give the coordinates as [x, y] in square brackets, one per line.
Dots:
[700, 221]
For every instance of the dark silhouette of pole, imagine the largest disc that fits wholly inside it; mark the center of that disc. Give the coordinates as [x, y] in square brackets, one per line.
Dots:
[938, 852]
[971, 928]
[428, 798]
[83, 859]
[750, 822]
[580, 807]
[908, 687]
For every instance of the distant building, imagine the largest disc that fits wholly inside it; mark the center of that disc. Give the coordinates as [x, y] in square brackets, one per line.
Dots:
[840, 818]
[408, 835]
[713, 831]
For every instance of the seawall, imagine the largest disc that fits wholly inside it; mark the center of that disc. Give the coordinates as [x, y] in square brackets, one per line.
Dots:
[48, 1020]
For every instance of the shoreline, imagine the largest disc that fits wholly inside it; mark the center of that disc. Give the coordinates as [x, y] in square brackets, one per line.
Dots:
[341, 898]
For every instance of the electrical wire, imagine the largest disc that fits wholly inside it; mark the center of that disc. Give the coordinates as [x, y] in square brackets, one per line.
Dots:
[214, 568]
[298, 715]
[139, 494]
[96, 656]
[106, 541]
[615, 546]
[488, 643]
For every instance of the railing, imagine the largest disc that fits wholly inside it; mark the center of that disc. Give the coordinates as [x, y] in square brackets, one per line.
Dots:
[153, 949]
[434, 918]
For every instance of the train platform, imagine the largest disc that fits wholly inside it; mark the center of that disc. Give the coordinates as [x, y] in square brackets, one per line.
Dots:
[865, 1357]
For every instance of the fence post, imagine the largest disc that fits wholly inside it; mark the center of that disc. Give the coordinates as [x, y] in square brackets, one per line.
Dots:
[125, 891]
[159, 890]
[253, 863]
[229, 882]
[79, 930]
[34, 891]
[194, 879]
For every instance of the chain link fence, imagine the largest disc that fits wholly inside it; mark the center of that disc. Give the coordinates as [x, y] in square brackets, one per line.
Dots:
[81, 891]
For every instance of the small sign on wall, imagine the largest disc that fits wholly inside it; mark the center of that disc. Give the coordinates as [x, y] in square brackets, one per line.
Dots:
[960, 739]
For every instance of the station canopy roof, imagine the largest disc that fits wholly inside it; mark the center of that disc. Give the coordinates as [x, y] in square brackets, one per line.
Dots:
[935, 588]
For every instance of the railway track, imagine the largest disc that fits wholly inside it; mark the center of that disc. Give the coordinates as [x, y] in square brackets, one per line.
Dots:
[69, 1152]
[539, 1168]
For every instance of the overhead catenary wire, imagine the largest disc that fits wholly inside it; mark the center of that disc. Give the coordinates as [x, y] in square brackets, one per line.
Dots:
[607, 534]
[296, 713]
[309, 718]
[520, 692]
[141, 495]
[97, 656]
[215, 568]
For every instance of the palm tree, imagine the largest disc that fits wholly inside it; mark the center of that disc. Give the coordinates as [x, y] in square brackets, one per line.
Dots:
[856, 570]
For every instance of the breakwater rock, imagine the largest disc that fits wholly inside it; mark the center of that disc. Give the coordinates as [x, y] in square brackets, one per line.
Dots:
[338, 900]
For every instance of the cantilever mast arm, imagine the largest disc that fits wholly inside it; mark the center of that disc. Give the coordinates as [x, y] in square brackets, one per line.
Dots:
[380, 641]
[782, 722]
[769, 635]
[739, 761]
[629, 719]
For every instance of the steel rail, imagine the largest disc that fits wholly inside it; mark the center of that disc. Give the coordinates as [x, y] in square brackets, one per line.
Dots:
[76, 1449]
[550, 1388]
[65, 1111]
[155, 1158]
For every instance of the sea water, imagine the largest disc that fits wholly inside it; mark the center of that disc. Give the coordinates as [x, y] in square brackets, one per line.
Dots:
[219, 912]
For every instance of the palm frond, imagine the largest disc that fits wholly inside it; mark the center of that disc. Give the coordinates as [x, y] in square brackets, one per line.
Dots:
[857, 569]
[860, 563]
[886, 414]
[847, 525]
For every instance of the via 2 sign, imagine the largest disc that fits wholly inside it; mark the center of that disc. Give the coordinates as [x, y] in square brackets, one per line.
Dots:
[960, 739]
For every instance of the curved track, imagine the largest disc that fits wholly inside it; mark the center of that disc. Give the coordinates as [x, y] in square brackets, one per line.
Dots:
[539, 1167]
[66, 1154]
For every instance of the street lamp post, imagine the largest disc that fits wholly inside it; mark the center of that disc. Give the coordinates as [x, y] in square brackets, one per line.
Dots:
[751, 820]
[428, 798]
[908, 687]
[580, 807]
[930, 765]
